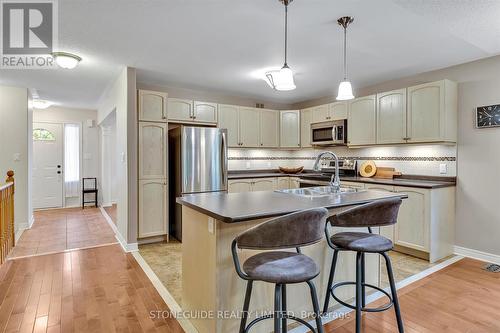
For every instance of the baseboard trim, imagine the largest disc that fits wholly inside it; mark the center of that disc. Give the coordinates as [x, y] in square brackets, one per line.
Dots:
[172, 304]
[478, 255]
[127, 247]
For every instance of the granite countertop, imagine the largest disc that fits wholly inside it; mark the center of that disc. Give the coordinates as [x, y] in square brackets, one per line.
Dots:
[429, 182]
[239, 207]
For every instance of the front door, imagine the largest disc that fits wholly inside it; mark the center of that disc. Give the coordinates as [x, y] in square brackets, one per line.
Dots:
[48, 177]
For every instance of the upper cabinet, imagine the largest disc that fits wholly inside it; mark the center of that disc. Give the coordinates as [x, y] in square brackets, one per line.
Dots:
[391, 117]
[432, 112]
[361, 125]
[152, 106]
[290, 129]
[249, 127]
[230, 120]
[306, 118]
[332, 111]
[320, 113]
[184, 110]
[269, 128]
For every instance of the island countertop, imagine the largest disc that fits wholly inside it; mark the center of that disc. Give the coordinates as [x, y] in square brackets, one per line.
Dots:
[246, 206]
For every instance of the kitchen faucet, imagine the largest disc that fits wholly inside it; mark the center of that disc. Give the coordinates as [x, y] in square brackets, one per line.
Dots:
[335, 179]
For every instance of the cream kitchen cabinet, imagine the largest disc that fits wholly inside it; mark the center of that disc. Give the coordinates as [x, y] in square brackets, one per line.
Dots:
[180, 110]
[352, 184]
[249, 125]
[432, 112]
[152, 150]
[152, 106]
[252, 184]
[283, 183]
[153, 209]
[320, 113]
[294, 182]
[386, 231]
[269, 128]
[306, 118]
[337, 111]
[239, 185]
[391, 117]
[229, 118]
[204, 112]
[361, 121]
[290, 129]
[264, 184]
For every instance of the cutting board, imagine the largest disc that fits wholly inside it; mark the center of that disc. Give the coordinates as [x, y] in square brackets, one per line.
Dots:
[386, 173]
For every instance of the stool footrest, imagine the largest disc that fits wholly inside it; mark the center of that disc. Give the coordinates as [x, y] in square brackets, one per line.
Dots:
[259, 319]
[350, 283]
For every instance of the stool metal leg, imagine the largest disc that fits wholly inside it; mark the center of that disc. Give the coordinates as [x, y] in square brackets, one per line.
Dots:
[283, 308]
[277, 308]
[314, 298]
[330, 280]
[363, 280]
[246, 305]
[394, 292]
[358, 291]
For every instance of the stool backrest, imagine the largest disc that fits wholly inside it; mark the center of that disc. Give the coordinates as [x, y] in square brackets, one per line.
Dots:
[373, 214]
[284, 232]
[89, 183]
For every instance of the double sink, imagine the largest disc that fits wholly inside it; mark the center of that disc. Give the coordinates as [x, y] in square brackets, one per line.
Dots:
[319, 191]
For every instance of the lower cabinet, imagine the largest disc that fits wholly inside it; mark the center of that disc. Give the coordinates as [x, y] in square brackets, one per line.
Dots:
[153, 209]
[239, 185]
[264, 184]
[283, 183]
[294, 182]
[386, 231]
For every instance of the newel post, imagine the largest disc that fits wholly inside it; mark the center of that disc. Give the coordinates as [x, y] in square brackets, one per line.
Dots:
[10, 176]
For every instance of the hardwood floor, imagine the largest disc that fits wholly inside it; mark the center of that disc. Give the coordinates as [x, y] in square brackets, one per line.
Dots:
[94, 290]
[57, 230]
[459, 298]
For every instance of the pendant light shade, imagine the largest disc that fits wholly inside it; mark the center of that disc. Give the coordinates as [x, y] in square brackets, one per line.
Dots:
[345, 87]
[282, 79]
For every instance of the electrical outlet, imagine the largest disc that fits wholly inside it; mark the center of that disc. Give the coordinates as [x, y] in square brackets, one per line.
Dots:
[443, 169]
[247, 165]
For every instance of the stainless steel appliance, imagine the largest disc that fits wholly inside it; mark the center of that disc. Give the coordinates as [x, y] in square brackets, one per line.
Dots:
[329, 133]
[197, 164]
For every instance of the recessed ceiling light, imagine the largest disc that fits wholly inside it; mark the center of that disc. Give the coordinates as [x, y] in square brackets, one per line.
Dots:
[66, 60]
[41, 104]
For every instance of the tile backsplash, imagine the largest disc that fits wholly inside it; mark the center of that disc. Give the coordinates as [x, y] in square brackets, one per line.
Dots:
[409, 159]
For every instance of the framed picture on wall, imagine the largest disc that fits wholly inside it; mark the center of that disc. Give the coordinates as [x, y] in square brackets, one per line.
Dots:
[488, 116]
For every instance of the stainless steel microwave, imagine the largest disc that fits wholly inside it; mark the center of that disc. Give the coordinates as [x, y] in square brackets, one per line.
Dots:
[329, 133]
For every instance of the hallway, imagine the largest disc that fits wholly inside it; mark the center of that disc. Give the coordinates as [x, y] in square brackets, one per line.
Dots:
[58, 230]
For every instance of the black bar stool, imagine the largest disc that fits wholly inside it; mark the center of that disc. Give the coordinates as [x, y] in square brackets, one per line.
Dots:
[374, 214]
[279, 267]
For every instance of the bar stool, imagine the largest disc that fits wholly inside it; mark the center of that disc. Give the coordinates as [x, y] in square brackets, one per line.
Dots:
[280, 267]
[374, 214]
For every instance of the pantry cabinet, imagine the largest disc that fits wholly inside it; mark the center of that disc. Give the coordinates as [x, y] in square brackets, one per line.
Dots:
[290, 129]
[152, 106]
[361, 121]
[432, 112]
[391, 117]
[152, 150]
[269, 128]
[153, 209]
[306, 118]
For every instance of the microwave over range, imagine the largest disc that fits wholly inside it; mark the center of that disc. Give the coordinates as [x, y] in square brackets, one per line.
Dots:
[329, 133]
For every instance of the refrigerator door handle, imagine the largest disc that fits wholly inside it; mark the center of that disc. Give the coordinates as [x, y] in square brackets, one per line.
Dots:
[224, 159]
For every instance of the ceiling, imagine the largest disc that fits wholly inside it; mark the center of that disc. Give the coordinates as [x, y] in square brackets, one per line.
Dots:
[224, 45]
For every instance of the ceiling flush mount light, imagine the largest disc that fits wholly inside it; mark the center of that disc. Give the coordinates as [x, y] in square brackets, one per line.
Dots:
[41, 104]
[282, 79]
[66, 60]
[345, 87]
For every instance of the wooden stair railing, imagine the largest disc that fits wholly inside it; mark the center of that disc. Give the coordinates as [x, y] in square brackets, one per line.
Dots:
[7, 238]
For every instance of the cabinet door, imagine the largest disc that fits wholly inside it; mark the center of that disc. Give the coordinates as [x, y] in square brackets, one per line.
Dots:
[283, 183]
[412, 229]
[249, 127]
[152, 106]
[205, 112]
[152, 208]
[320, 113]
[426, 112]
[294, 182]
[264, 184]
[361, 122]
[269, 128]
[290, 129]
[152, 150]
[228, 119]
[391, 117]
[180, 109]
[352, 184]
[239, 185]
[386, 231]
[306, 118]
[338, 111]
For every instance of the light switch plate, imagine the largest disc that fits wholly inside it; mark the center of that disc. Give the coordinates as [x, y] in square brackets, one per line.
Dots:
[247, 165]
[443, 169]
[17, 157]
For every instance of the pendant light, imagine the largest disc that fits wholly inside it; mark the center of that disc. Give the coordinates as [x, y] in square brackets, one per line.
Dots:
[345, 87]
[282, 79]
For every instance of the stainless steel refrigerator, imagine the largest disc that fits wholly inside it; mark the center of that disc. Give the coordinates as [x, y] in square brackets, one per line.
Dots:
[197, 164]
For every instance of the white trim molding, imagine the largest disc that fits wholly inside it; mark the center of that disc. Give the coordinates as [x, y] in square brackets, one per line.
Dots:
[478, 255]
[127, 247]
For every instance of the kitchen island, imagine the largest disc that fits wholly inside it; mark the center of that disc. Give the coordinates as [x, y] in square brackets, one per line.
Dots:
[212, 291]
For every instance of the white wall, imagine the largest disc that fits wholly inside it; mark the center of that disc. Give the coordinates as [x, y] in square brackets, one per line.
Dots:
[120, 96]
[15, 139]
[109, 160]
